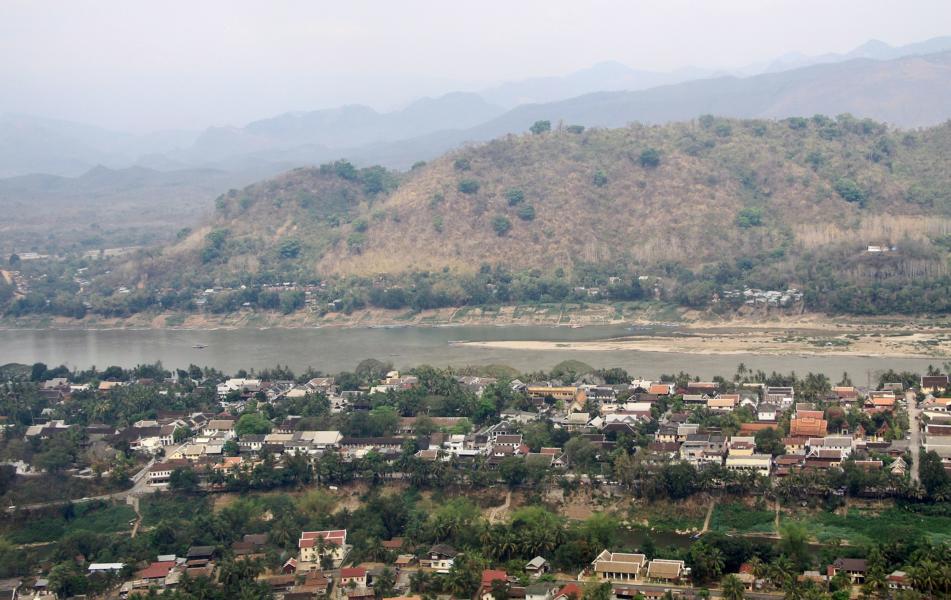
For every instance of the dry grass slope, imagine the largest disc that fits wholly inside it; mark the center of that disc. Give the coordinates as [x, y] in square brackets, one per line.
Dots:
[684, 210]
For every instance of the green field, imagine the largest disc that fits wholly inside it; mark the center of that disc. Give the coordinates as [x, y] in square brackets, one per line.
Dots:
[737, 517]
[97, 517]
[159, 507]
[862, 526]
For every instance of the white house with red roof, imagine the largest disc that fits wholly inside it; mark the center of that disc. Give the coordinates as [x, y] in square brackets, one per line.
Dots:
[314, 545]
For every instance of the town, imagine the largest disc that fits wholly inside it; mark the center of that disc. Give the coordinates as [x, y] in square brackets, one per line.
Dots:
[378, 483]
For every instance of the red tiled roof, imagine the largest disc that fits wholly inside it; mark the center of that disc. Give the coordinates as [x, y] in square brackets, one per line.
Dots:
[489, 575]
[336, 537]
[156, 570]
[571, 589]
[351, 572]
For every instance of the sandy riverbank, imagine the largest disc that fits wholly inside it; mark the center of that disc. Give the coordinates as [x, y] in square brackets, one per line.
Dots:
[775, 342]
[654, 328]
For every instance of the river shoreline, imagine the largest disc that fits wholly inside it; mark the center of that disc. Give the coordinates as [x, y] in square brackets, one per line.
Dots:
[593, 329]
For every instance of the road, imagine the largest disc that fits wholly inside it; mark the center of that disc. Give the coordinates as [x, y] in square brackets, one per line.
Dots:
[914, 423]
[691, 592]
[140, 486]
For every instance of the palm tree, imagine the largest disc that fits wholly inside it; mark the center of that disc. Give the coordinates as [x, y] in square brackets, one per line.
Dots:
[924, 577]
[759, 568]
[779, 571]
[375, 550]
[943, 578]
[419, 581]
[733, 588]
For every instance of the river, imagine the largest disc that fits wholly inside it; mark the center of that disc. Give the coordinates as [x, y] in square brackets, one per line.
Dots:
[332, 349]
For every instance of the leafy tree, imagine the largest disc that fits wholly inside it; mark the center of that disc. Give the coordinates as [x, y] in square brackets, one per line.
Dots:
[751, 216]
[513, 470]
[469, 186]
[539, 127]
[797, 122]
[292, 300]
[343, 169]
[252, 423]
[514, 196]
[649, 158]
[462, 164]
[501, 224]
[181, 434]
[66, 580]
[932, 474]
[289, 248]
[793, 543]
[183, 480]
[849, 190]
[769, 441]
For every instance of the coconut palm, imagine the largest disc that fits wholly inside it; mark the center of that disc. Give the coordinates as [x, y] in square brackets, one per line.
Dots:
[924, 577]
[759, 568]
[733, 588]
[780, 571]
[419, 581]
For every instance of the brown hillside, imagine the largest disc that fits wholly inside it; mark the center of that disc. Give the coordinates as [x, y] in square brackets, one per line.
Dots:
[827, 185]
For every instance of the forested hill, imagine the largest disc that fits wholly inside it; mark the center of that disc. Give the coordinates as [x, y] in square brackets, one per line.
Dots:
[703, 206]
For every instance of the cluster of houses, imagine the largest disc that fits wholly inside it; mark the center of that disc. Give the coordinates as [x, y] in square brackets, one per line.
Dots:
[596, 413]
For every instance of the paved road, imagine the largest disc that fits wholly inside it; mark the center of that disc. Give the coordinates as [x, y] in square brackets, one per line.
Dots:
[914, 423]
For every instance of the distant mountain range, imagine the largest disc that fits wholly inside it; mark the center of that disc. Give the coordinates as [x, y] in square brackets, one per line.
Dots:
[906, 86]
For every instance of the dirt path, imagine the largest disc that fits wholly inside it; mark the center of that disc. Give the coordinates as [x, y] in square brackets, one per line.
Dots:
[499, 513]
[706, 521]
[133, 501]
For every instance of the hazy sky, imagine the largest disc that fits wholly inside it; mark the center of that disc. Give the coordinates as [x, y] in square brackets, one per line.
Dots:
[136, 65]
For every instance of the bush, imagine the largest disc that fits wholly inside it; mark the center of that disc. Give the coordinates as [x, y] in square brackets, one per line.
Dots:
[526, 212]
[797, 123]
[749, 217]
[849, 191]
[540, 127]
[469, 186]
[289, 248]
[345, 170]
[575, 129]
[355, 242]
[514, 196]
[501, 224]
[462, 164]
[437, 223]
[599, 179]
[649, 158]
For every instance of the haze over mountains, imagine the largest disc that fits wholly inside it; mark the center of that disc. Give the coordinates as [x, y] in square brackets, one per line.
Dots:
[907, 86]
